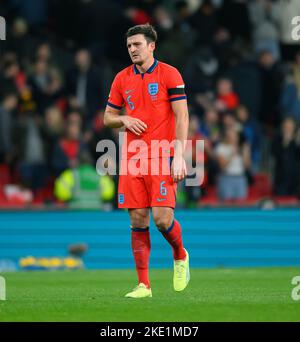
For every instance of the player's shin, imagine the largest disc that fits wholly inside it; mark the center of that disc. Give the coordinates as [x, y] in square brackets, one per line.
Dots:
[174, 236]
[140, 242]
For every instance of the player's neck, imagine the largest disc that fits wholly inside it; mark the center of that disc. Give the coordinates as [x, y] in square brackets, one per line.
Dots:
[144, 67]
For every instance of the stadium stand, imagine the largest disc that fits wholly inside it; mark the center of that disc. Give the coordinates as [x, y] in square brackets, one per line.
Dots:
[240, 67]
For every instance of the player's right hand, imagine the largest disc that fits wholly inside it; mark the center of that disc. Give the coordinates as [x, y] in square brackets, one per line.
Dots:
[134, 125]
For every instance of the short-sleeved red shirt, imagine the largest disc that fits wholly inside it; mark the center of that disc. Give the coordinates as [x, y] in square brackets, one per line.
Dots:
[148, 97]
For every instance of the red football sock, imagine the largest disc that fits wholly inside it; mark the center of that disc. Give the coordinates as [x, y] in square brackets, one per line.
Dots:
[174, 237]
[140, 243]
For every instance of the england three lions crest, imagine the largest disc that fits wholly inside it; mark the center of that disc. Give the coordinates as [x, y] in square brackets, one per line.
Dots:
[153, 88]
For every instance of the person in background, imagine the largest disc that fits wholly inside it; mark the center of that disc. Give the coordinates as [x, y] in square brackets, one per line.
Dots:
[30, 151]
[53, 127]
[13, 78]
[290, 91]
[18, 40]
[210, 127]
[8, 105]
[227, 99]
[270, 84]
[233, 159]
[228, 121]
[67, 150]
[46, 84]
[284, 152]
[83, 84]
[82, 187]
[249, 131]
[189, 195]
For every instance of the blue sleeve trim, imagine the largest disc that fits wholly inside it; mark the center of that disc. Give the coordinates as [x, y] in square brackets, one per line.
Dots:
[178, 98]
[113, 106]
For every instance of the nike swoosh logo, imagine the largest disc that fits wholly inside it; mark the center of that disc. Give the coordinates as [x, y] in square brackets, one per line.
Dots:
[161, 199]
[128, 91]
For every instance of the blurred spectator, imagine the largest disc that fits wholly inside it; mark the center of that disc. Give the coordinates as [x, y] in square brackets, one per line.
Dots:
[83, 85]
[247, 80]
[264, 16]
[227, 99]
[210, 130]
[14, 79]
[229, 121]
[46, 84]
[234, 159]
[26, 100]
[193, 193]
[7, 108]
[296, 70]
[52, 130]
[200, 69]
[101, 132]
[204, 22]
[44, 53]
[290, 93]
[182, 14]
[284, 151]
[30, 151]
[68, 149]
[250, 132]
[234, 16]
[34, 12]
[19, 41]
[210, 127]
[297, 140]
[270, 77]
[82, 187]
[171, 37]
[138, 16]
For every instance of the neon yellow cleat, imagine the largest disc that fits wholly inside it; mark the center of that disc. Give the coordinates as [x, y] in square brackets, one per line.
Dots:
[181, 273]
[141, 291]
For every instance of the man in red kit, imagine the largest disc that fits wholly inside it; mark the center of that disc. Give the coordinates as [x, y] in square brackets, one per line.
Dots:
[154, 98]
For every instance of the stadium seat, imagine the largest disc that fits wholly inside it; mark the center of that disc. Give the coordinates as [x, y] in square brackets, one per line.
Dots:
[45, 194]
[261, 186]
[286, 200]
[4, 175]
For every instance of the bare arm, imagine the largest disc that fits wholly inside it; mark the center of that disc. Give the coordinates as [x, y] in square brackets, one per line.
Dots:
[223, 159]
[223, 162]
[182, 125]
[246, 153]
[180, 110]
[113, 119]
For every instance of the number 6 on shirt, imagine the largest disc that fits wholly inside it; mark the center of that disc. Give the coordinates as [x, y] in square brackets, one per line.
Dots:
[163, 190]
[130, 103]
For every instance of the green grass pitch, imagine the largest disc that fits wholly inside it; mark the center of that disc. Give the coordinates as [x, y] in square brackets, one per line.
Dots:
[244, 294]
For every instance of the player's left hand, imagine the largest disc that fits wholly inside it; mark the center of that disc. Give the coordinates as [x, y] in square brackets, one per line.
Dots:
[178, 169]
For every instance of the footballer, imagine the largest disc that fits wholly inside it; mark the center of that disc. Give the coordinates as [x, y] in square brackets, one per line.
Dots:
[154, 98]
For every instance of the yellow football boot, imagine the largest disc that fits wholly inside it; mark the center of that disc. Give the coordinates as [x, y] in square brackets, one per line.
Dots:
[141, 291]
[181, 273]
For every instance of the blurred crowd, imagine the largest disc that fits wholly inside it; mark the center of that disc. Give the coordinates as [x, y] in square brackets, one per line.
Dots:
[239, 60]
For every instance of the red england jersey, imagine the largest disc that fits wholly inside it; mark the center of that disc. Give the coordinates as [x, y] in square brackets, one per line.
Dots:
[148, 97]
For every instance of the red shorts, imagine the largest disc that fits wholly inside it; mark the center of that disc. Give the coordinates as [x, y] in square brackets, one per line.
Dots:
[143, 188]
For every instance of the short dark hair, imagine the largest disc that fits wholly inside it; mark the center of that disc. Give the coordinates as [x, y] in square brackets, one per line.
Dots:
[147, 30]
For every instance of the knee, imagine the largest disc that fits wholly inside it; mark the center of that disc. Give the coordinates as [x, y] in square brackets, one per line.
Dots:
[163, 223]
[140, 220]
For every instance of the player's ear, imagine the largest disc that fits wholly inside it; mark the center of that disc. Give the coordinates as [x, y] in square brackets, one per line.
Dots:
[152, 46]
